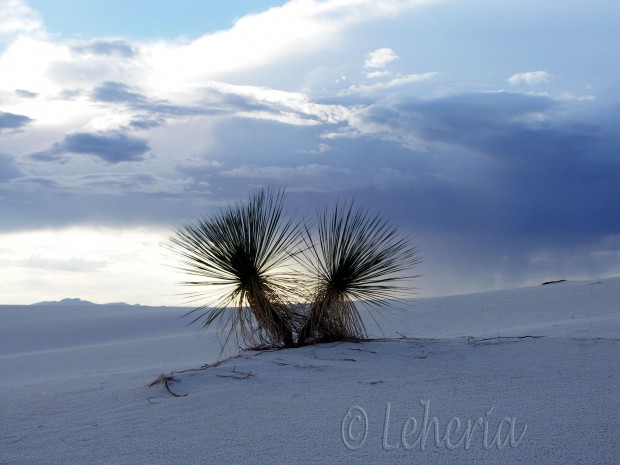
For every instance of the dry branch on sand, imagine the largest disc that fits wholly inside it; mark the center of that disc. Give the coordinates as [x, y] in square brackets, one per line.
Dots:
[165, 379]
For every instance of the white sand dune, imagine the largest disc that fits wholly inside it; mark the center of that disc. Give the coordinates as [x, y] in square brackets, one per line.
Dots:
[73, 386]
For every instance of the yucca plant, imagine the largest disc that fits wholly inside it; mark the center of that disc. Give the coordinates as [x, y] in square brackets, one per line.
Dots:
[240, 257]
[355, 258]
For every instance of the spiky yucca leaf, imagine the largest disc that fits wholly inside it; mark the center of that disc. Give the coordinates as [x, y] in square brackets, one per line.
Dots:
[357, 257]
[239, 257]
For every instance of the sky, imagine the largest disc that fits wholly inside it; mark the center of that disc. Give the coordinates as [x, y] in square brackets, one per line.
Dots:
[489, 131]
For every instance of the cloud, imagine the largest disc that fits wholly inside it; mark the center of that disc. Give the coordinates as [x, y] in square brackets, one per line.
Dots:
[477, 175]
[28, 63]
[312, 177]
[380, 58]
[145, 122]
[454, 119]
[322, 148]
[31, 184]
[297, 30]
[8, 169]
[261, 102]
[110, 183]
[508, 126]
[532, 78]
[68, 264]
[12, 121]
[111, 47]
[143, 86]
[378, 74]
[111, 91]
[129, 109]
[84, 70]
[510, 172]
[571, 97]
[17, 18]
[137, 111]
[26, 93]
[277, 172]
[396, 82]
[124, 183]
[112, 148]
[194, 165]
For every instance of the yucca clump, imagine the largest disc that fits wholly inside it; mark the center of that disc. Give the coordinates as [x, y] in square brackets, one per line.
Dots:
[240, 258]
[243, 259]
[357, 258]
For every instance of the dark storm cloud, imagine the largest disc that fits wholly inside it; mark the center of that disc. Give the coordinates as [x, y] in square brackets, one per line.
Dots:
[517, 128]
[529, 139]
[12, 121]
[115, 147]
[107, 47]
[531, 133]
[514, 165]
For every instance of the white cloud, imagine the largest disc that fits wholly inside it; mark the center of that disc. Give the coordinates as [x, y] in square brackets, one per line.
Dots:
[259, 40]
[17, 18]
[197, 163]
[396, 82]
[299, 27]
[377, 74]
[25, 64]
[571, 97]
[64, 264]
[532, 78]
[323, 148]
[176, 73]
[380, 58]
[295, 107]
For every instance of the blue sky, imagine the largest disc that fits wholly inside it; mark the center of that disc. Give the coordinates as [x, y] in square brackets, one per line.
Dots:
[144, 19]
[488, 130]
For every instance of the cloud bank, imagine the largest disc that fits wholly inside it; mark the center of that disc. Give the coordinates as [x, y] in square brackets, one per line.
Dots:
[330, 99]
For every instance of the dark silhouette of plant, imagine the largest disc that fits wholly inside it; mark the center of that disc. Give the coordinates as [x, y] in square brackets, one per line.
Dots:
[357, 257]
[240, 256]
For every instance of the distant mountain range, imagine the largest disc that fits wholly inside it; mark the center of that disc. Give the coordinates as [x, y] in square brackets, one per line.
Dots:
[78, 302]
